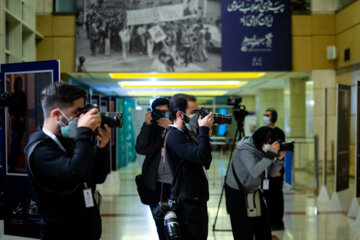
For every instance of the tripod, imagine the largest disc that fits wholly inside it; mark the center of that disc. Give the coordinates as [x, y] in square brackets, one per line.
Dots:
[241, 133]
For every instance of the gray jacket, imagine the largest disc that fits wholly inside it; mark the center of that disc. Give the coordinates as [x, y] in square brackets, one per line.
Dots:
[250, 164]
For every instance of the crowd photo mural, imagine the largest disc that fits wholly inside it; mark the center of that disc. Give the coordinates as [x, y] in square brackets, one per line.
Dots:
[158, 35]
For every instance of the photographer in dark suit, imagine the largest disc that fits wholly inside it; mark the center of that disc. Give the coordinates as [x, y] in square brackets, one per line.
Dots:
[155, 175]
[65, 161]
[188, 161]
[275, 196]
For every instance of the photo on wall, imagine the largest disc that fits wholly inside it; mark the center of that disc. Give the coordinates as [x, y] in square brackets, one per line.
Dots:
[148, 36]
[23, 115]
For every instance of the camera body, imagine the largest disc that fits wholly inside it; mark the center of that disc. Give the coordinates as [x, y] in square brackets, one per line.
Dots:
[166, 211]
[112, 119]
[219, 119]
[156, 114]
[4, 100]
[286, 146]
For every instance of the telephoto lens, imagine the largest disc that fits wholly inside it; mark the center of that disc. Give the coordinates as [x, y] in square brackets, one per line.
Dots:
[219, 119]
[171, 225]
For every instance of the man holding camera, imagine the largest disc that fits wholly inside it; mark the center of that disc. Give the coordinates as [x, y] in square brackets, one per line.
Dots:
[65, 161]
[188, 160]
[274, 195]
[156, 176]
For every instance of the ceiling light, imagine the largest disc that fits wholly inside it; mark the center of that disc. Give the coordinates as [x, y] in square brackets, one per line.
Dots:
[215, 75]
[172, 93]
[182, 84]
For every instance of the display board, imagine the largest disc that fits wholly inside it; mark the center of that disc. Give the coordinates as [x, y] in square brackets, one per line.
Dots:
[24, 81]
[342, 161]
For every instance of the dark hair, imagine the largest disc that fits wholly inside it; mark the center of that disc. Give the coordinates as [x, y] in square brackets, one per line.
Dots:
[159, 102]
[18, 79]
[274, 114]
[263, 135]
[178, 103]
[61, 95]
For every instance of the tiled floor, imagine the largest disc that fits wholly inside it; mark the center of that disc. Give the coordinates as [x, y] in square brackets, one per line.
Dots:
[125, 218]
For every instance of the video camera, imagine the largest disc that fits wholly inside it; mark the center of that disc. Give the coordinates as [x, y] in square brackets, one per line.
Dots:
[4, 100]
[219, 119]
[166, 211]
[112, 119]
[239, 110]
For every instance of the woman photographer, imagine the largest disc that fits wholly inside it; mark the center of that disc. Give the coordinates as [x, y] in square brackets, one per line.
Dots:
[255, 159]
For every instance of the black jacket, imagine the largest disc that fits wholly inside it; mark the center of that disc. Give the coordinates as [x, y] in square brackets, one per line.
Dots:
[149, 143]
[186, 160]
[64, 214]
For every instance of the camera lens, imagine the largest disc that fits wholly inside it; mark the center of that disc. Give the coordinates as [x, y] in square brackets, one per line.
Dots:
[221, 119]
[112, 119]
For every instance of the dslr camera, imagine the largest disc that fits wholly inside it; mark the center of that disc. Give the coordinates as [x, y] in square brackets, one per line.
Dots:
[4, 100]
[166, 211]
[286, 146]
[219, 119]
[156, 114]
[112, 119]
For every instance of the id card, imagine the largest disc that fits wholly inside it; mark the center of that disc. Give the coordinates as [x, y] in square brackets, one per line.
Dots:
[89, 201]
[266, 184]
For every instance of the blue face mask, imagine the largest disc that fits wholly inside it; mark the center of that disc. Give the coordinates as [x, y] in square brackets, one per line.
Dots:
[69, 130]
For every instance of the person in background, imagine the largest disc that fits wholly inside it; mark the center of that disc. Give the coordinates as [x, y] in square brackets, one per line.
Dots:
[155, 175]
[275, 196]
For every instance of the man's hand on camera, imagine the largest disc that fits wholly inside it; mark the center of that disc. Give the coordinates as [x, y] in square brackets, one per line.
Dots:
[148, 118]
[207, 121]
[281, 155]
[103, 136]
[275, 147]
[164, 122]
[91, 119]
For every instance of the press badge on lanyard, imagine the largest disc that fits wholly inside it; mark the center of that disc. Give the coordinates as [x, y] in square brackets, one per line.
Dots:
[89, 201]
[266, 182]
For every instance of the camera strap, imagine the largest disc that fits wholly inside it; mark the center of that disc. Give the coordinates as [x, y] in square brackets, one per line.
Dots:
[36, 181]
[163, 155]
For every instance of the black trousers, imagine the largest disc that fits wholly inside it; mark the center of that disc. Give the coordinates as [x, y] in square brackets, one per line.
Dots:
[166, 194]
[243, 227]
[193, 219]
[275, 200]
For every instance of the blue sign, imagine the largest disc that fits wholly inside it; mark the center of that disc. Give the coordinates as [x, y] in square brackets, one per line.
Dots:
[256, 35]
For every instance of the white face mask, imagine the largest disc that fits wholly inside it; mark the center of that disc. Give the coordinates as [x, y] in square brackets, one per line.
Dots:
[266, 120]
[266, 147]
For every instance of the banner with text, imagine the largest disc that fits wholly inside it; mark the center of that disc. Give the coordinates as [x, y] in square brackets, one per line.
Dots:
[256, 35]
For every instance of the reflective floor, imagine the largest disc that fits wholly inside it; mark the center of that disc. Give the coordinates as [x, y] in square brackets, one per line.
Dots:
[124, 217]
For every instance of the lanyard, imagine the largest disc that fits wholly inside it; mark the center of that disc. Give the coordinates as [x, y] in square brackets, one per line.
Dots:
[53, 137]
